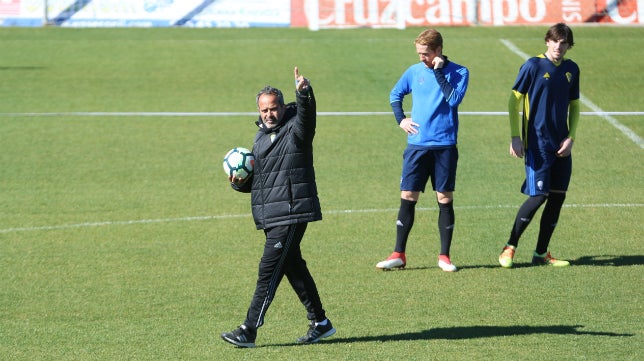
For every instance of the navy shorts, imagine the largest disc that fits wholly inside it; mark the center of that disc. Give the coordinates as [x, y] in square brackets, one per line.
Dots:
[420, 165]
[545, 172]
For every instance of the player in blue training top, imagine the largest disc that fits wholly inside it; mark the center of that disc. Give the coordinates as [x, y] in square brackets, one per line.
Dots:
[547, 91]
[437, 86]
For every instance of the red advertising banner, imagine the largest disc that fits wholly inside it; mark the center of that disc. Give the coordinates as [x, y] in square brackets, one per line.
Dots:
[392, 13]
[9, 7]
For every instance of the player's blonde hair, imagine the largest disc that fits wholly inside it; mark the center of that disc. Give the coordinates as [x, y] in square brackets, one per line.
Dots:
[431, 38]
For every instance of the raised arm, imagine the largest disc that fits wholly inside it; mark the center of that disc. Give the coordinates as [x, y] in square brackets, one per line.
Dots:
[306, 108]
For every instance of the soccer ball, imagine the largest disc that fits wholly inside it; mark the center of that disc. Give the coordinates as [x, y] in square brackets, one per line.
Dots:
[239, 163]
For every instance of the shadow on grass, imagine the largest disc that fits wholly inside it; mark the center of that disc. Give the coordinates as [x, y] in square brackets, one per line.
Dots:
[604, 260]
[609, 260]
[462, 267]
[471, 332]
[21, 67]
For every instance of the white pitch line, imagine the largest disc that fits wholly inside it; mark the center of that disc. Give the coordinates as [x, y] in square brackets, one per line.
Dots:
[332, 212]
[587, 102]
[116, 223]
[614, 122]
[599, 112]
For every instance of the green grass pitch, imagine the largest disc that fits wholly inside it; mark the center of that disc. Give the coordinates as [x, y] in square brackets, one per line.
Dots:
[120, 238]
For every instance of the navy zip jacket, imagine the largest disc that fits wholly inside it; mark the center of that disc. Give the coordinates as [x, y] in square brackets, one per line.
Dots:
[283, 189]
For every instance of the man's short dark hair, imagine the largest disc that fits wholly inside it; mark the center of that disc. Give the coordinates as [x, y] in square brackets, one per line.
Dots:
[273, 91]
[560, 31]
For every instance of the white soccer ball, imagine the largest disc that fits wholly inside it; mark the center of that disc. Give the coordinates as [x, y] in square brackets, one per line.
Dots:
[239, 163]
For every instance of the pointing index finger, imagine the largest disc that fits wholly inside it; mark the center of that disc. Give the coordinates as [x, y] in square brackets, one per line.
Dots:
[296, 71]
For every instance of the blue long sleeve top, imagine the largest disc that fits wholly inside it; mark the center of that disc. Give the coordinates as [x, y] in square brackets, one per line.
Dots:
[436, 95]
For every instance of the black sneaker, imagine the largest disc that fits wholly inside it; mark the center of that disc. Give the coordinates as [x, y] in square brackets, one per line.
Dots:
[241, 337]
[317, 332]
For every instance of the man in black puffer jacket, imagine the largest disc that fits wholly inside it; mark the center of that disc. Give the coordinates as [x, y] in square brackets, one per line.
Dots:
[284, 200]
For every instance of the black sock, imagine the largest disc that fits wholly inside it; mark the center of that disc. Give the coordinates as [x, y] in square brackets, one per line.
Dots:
[404, 223]
[524, 217]
[549, 220]
[446, 225]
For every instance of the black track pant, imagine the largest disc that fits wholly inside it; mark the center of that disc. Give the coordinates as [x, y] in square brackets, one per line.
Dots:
[282, 256]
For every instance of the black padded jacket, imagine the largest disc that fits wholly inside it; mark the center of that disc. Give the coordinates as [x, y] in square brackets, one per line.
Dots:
[283, 188]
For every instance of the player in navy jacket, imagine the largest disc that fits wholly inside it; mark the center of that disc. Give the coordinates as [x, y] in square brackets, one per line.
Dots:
[546, 90]
[437, 87]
